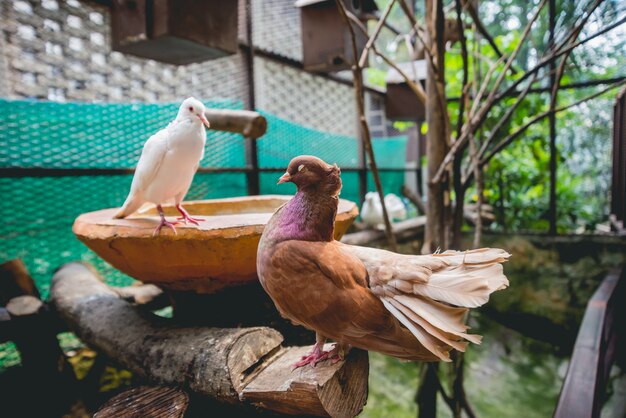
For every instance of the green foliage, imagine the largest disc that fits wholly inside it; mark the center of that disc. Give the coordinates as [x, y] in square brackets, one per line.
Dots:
[375, 76]
[583, 132]
[402, 126]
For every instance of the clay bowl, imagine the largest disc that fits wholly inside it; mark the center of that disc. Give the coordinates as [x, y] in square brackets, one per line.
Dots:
[221, 252]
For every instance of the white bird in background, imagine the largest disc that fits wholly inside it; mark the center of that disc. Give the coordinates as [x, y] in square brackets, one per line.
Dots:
[372, 210]
[168, 163]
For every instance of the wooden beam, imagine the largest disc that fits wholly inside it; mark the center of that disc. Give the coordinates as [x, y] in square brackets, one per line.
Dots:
[245, 122]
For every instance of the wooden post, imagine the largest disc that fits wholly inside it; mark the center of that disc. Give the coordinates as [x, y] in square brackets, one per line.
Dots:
[252, 158]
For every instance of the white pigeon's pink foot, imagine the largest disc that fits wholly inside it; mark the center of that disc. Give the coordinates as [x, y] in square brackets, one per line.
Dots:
[318, 355]
[186, 218]
[164, 222]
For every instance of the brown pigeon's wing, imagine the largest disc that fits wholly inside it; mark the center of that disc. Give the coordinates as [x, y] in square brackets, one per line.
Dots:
[325, 289]
[458, 278]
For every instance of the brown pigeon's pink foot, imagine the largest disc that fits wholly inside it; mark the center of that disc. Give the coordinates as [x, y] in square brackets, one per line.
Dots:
[163, 223]
[186, 218]
[318, 355]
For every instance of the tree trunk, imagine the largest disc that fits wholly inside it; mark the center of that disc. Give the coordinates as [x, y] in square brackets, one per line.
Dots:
[436, 137]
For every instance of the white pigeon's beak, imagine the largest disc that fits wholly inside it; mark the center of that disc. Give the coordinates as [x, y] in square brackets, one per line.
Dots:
[204, 120]
[284, 178]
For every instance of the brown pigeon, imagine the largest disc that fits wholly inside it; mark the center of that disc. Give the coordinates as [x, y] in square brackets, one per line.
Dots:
[408, 306]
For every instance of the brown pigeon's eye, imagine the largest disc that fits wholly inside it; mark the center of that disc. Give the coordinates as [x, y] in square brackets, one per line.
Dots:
[191, 108]
[301, 167]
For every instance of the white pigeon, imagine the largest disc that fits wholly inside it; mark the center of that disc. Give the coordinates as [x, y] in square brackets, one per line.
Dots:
[372, 211]
[168, 163]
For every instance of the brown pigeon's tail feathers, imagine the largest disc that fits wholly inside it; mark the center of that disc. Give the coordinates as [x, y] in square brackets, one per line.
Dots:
[131, 205]
[464, 279]
[468, 278]
[430, 294]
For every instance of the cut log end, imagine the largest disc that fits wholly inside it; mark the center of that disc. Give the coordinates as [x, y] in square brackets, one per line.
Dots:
[15, 281]
[336, 390]
[24, 306]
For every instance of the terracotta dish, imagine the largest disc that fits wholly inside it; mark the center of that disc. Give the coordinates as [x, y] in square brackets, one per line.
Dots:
[221, 252]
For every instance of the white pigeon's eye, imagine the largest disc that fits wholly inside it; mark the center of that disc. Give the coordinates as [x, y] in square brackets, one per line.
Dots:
[191, 108]
[300, 167]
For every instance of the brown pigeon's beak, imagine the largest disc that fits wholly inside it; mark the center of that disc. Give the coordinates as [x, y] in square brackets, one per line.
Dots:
[284, 178]
[204, 120]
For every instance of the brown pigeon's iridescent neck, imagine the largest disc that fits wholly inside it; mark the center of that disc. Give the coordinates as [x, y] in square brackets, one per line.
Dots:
[309, 216]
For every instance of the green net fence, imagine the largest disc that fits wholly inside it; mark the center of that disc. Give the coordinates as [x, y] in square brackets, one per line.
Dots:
[38, 211]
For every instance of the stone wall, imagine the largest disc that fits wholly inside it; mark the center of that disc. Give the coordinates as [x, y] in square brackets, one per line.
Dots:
[59, 50]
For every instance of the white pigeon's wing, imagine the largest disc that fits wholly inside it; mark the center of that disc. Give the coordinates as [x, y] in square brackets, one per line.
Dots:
[154, 151]
[149, 162]
[181, 195]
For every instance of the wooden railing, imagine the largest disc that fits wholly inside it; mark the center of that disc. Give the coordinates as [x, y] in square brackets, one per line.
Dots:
[583, 391]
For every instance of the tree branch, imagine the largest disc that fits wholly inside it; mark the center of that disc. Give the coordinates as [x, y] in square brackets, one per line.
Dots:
[505, 118]
[367, 140]
[476, 121]
[461, 141]
[416, 87]
[372, 39]
[548, 59]
[459, 122]
[511, 137]
[483, 31]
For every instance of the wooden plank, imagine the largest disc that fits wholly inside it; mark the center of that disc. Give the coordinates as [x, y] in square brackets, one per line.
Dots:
[594, 351]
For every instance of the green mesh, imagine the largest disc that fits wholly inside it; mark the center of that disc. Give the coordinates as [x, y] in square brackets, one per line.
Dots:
[81, 135]
[38, 212]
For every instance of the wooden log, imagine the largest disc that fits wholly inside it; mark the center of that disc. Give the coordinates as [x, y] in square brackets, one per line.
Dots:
[208, 361]
[146, 401]
[335, 390]
[246, 122]
[216, 363]
[147, 295]
[15, 281]
[23, 306]
[470, 213]
[403, 230]
[33, 330]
